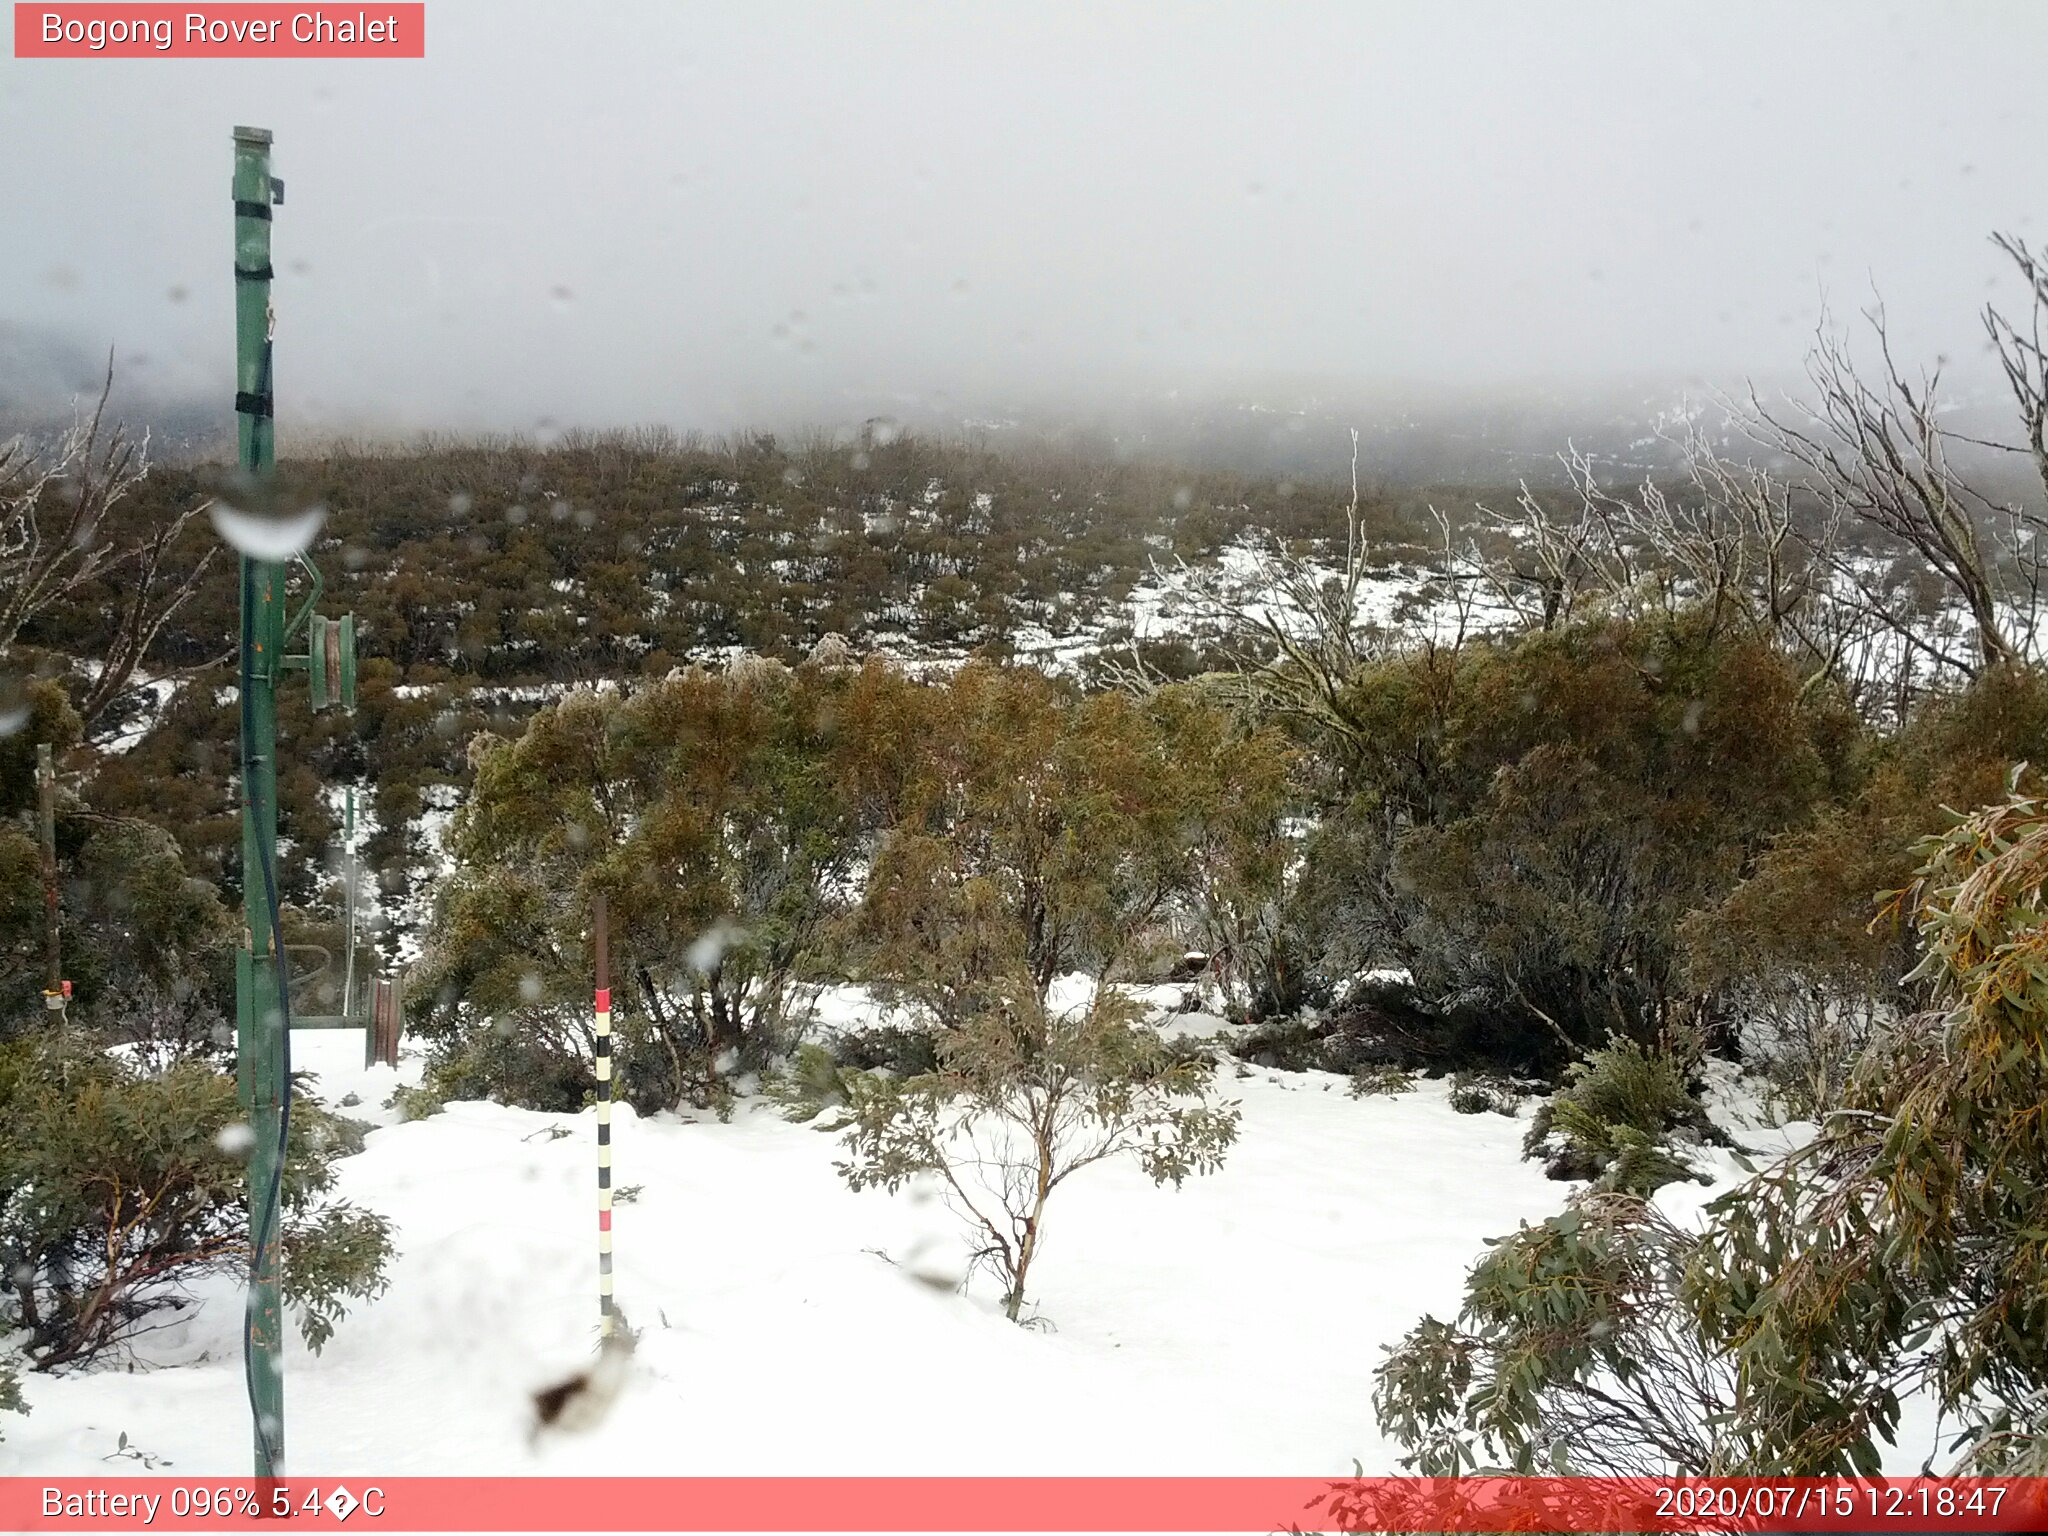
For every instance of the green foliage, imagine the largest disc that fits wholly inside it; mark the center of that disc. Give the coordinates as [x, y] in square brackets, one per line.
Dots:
[713, 812]
[1011, 830]
[1234, 794]
[1376, 1082]
[1901, 1249]
[907, 1052]
[147, 947]
[811, 1084]
[415, 1103]
[11, 1400]
[1345, 1043]
[1906, 1242]
[1024, 1099]
[1479, 1094]
[530, 1068]
[119, 1187]
[1525, 823]
[1613, 1117]
[1792, 953]
[1571, 1355]
[480, 569]
[1039, 833]
[47, 717]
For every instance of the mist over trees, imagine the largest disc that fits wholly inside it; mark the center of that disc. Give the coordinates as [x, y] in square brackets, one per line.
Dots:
[1601, 787]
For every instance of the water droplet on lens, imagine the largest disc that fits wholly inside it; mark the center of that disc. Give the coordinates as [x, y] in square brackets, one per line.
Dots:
[269, 535]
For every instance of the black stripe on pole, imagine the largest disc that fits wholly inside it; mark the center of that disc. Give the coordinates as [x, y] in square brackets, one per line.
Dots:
[604, 1044]
[244, 210]
[260, 274]
[604, 1178]
[247, 404]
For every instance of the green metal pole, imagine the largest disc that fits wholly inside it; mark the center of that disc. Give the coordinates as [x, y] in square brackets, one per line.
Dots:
[259, 1011]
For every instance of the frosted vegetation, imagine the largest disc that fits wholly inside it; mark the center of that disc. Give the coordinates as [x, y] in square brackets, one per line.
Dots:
[1064, 892]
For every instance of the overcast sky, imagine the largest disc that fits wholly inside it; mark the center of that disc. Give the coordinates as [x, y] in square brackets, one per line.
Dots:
[707, 214]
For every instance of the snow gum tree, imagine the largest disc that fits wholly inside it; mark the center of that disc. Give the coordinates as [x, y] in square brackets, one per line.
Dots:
[1908, 1244]
[707, 806]
[119, 1188]
[1022, 1101]
[1529, 821]
[1038, 834]
[1905, 1248]
[1041, 835]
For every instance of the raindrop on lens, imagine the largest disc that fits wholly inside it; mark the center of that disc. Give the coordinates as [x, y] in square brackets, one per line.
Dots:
[268, 536]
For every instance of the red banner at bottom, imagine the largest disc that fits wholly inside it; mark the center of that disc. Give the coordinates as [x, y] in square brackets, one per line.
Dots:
[1192, 1504]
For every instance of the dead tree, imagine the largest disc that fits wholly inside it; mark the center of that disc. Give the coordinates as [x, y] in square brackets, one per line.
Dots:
[58, 537]
[1878, 453]
[1294, 636]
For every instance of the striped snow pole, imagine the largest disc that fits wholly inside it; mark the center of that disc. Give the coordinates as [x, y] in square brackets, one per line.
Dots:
[607, 1313]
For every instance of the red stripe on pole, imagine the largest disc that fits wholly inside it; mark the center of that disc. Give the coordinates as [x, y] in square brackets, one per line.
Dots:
[604, 999]
[604, 1221]
[974, 1504]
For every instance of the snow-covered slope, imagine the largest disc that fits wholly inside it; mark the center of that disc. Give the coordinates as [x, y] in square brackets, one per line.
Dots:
[791, 1326]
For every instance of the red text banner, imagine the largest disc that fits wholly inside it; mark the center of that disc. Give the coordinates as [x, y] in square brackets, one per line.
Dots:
[114, 31]
[1192, 1504]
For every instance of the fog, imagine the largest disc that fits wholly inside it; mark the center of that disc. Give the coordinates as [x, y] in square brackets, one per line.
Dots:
[712, 215]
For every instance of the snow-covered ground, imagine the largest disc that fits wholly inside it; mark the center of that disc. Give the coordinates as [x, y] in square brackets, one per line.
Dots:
[790, 1326]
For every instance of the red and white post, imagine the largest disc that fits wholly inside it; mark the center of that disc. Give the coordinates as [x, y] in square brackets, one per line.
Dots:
[607, 1311]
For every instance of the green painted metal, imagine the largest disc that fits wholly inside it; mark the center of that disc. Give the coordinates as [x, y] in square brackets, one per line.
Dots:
[258, 976]
[262, 965]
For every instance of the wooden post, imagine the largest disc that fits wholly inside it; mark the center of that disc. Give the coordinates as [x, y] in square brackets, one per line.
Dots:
[606, 1311]
[53, 938]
